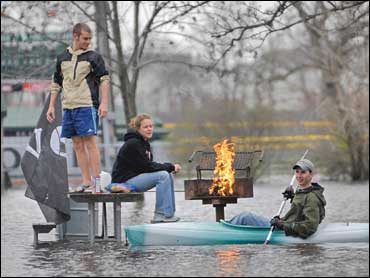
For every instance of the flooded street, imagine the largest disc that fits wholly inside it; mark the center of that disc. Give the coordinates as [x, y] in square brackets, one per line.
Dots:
[234, 94]
[346, 203]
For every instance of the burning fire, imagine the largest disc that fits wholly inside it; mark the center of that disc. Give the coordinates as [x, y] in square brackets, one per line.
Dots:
[224, 174]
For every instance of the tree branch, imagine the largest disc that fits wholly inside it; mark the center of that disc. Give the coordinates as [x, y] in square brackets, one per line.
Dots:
[163, 61]
[33, 29]
[92, 19]
[268, 24]
[179, 15]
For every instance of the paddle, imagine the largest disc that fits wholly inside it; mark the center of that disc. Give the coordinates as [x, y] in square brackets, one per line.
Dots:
[282, 206]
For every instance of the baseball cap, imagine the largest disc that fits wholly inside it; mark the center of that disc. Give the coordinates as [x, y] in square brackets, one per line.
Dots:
[304, 164]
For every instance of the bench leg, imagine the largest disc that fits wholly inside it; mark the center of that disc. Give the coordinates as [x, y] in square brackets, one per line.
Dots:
[117, 220]
[105, 226]
[35, 238]
[91, 225]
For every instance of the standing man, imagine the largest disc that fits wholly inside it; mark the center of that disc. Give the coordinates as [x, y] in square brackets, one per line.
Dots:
[81, 72]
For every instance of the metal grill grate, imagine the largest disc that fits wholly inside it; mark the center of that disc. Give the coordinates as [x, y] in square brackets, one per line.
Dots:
[243, 161]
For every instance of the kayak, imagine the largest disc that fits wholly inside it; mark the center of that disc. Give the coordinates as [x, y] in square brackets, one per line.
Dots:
[216, 233]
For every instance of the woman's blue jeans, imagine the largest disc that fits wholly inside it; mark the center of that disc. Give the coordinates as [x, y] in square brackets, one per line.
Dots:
[165, 196]
[250, 219]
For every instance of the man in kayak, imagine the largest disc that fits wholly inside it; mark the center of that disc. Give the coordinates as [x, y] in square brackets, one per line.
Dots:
[307, 209]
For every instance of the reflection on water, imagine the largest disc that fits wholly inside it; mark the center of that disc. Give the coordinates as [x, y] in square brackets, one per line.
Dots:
[228, 261]
[109, 258]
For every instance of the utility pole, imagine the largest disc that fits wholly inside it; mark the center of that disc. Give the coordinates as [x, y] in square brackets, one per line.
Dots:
[101, 10]
[3, 114]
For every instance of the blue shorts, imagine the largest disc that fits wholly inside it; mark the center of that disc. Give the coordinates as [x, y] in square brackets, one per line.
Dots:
[82, 121]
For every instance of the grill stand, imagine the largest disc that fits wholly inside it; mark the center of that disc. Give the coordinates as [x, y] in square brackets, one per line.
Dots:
[219, 203]
[243, 187]
[220, 214]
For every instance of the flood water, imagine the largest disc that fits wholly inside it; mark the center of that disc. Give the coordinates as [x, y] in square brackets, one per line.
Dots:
[346, 203]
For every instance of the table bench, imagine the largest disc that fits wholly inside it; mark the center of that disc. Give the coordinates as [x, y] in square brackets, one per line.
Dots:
[116, 199]
[39, 228]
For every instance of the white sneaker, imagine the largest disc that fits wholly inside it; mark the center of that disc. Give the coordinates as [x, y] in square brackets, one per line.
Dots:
[82, 188]
[160, 218]
[89, 189]
[171, 219]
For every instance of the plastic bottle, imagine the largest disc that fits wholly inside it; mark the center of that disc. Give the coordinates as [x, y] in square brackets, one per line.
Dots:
[105, 180]
[97, 185]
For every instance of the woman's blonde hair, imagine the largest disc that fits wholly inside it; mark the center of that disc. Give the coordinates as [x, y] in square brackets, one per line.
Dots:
[135, 122]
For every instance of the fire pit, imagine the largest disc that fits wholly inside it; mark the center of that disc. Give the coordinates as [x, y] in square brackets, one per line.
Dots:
[210, 191]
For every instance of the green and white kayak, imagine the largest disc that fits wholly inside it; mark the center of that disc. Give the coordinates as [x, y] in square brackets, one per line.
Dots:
[214, 233]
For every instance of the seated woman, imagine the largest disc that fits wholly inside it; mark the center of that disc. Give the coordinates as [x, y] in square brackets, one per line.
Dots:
[134, 165]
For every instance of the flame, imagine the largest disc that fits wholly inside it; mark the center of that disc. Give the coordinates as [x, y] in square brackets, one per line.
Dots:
[224, 174]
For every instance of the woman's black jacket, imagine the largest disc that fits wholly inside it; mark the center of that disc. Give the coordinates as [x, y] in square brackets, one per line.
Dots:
[135, 157]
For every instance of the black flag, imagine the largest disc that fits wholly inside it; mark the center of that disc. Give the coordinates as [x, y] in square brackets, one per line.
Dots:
[44, 165]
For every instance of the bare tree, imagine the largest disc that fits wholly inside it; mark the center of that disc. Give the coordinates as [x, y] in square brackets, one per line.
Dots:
[140, 34]
[128, 47]
[335, 53]
[128, 64]
[252, 22]
[329, 66]
[338, 47]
